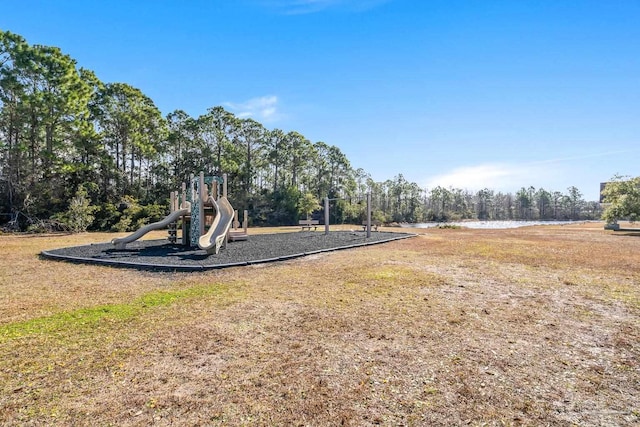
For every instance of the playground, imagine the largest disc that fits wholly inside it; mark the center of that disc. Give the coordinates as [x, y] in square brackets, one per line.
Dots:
[159, 254]
[204, 232]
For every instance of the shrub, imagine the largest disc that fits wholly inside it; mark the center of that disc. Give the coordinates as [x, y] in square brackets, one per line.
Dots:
[79, 216]
[107, 217]
[134, 215]
[623, 196]
[449, 226]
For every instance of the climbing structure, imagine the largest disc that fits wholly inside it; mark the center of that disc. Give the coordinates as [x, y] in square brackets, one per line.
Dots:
[202, 206]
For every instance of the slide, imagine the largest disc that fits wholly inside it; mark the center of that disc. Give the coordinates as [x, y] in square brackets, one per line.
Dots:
[121, 242]
[214, 238]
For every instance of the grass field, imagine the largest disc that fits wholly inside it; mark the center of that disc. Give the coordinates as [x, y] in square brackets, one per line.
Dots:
[532, 326]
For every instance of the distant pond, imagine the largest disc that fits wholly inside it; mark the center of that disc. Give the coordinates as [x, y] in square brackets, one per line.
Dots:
[489, 224]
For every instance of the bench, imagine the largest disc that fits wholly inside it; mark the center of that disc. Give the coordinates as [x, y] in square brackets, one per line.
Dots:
[308, 223]
[374, 226]
[616, 227]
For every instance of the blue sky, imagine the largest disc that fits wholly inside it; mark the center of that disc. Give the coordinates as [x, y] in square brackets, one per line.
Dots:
[469, 94]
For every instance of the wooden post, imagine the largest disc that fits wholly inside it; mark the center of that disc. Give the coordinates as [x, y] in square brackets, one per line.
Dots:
[236, 224]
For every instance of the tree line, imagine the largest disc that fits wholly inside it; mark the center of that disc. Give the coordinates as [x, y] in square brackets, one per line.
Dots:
[76, 150]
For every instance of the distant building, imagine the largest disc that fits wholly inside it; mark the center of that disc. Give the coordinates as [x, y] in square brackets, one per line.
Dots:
[602, 186]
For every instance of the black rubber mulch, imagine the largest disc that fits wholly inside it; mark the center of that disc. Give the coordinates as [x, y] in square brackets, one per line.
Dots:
[259, 248]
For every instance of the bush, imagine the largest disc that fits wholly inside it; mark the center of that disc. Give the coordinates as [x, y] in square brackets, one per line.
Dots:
[623, 196]
[79, 216]
[378, 217]
[134, 215]
[307, 203]
[107, 217]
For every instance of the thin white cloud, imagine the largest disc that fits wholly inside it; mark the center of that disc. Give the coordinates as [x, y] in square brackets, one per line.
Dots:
[497, 177]
[554, 174]
[588, 156]
[262, 109]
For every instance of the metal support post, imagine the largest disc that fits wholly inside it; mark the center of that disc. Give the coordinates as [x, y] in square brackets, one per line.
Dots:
[202, 197]
[326, 215]
[368, 215]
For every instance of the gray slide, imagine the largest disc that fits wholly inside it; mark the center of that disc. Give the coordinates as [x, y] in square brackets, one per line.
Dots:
[214, 238]
[121, 242]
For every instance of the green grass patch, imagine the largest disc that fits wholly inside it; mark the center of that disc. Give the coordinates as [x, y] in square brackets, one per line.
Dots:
[93, 317]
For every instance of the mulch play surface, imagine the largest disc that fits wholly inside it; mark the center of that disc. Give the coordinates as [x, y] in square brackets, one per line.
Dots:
[260, 248]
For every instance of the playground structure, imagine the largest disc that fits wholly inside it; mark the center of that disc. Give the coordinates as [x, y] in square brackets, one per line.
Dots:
[204, 205]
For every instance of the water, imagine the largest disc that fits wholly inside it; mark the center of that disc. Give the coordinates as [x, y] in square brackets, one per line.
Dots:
[489, 224]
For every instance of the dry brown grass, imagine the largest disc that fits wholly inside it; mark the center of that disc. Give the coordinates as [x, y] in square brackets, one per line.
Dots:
[534, 326]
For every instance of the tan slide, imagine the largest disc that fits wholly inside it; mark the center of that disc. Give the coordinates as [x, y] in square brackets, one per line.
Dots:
[213, 240]
[121, 242]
